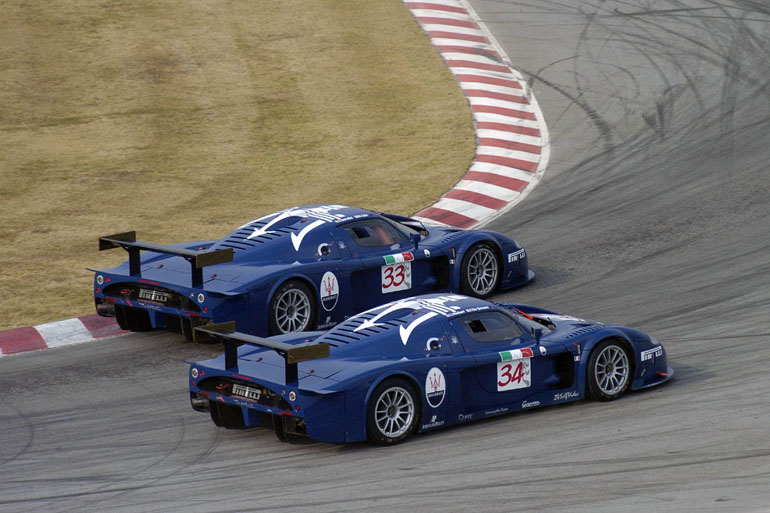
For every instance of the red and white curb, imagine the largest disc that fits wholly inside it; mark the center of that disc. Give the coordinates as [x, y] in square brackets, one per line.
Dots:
[58, 333]
[511, 155]
[511, 135]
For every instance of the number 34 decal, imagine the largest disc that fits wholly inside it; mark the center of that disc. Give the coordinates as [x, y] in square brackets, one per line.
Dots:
[396, 277]
[514, 374]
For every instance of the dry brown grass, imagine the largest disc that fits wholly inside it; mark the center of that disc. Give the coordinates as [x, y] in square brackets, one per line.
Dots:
[182, 120]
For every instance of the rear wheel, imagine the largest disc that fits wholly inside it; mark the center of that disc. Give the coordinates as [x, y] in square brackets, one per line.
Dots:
[480, 271]
[609, 371]
[292, 308]
[392, 412]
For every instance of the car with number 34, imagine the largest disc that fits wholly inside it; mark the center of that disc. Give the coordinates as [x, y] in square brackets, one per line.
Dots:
[304, 268]
[418, 364]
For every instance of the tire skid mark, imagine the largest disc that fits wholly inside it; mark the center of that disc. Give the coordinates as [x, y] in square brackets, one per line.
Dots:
[30, 428]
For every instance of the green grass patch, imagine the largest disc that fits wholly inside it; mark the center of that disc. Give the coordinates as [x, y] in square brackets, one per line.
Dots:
[183, 120]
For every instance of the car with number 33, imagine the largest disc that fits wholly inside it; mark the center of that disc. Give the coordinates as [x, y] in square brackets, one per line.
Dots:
[418, 364]
[300, 269]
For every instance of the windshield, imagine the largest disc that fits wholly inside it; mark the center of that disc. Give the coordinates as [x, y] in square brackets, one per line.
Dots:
[527, 322]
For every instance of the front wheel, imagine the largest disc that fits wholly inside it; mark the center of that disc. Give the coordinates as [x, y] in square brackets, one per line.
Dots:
[609, 371]
[392, 413]
[480, 271]
[292, 308]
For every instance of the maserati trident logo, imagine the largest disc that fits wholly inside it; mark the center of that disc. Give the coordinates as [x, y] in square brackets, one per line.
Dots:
[330, 291]
[435, 387]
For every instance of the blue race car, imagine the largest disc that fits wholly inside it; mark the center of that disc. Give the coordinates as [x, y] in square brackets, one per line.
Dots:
[419, 364]
[304, 268]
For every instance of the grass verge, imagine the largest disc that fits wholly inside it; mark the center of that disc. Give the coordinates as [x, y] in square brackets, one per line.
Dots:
[183, 120]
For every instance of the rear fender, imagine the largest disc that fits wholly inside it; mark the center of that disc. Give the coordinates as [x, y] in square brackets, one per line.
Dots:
[358, 397]
[261, 297]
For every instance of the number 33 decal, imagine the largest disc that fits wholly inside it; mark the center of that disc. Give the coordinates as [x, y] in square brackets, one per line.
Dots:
[396, 277]
[514, 374]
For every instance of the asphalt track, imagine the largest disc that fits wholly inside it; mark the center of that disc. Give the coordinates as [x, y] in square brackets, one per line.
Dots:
[653, 213]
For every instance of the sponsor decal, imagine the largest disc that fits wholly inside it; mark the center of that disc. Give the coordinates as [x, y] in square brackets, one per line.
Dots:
[427, 253]
[496, 411]
[396, 277]
[653, 353]
[330, 291]
[433, 423]
[543, 350]
[247, 392]
[399, 258]
[514, 374]
[435, 387]
[530, 404]
[577, 357]
[328, 323]
[563, 396]
[516, 256]
[153, 295]
[462, 417]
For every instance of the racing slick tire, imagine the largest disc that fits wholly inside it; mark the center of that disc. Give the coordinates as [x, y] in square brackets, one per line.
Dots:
[392, 413]
[480, 271]
[292, 308]
[608, 374]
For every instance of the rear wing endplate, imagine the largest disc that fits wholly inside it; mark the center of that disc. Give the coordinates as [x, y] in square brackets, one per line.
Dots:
[292, 354]
[198, 259]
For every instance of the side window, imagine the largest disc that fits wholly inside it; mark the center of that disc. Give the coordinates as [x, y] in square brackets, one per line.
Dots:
[372, 233]
[490, 327]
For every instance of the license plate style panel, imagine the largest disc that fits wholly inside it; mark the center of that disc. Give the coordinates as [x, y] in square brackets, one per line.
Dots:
[246, 392]
[153, 295]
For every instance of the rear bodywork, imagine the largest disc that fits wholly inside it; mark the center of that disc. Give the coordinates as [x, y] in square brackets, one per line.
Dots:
[419, 340]
[182, 286]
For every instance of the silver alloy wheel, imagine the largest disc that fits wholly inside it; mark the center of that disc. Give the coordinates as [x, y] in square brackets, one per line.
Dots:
[612, 370]
[394, 411]
[482, 271]
[292, 311]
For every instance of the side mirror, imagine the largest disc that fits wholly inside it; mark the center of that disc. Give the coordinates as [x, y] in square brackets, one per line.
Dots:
[415, 237]
[537, 333]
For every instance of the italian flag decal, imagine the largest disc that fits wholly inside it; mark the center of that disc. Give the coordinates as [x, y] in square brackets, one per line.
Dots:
[398, 259]
[516, 354]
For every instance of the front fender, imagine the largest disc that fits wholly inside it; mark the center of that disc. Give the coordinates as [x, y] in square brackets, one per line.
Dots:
[461, 250]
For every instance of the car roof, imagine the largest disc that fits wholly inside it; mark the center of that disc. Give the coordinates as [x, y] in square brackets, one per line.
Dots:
[295, 220]
[405, 315]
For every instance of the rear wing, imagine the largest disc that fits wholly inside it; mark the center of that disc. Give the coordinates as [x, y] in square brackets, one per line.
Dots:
[292, 354]
[198, 259]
